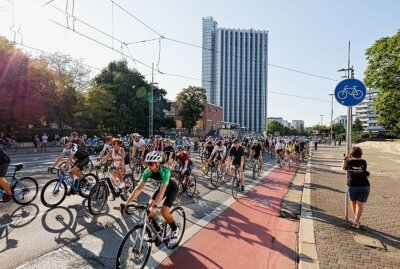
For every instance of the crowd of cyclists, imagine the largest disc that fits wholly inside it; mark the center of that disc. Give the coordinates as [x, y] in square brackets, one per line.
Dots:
[158, 158]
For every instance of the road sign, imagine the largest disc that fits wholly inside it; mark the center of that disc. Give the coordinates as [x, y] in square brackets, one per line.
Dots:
[350, 92]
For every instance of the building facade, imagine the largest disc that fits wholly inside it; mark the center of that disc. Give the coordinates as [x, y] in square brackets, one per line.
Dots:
[235, 73]
[341, 120]
[365, 113]
[297, 123]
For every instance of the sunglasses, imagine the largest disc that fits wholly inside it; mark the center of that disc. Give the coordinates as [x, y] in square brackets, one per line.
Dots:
[151, 164]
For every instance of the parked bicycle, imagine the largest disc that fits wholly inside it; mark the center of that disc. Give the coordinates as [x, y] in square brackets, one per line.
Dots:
[135, 248]
[55, 191]
[98, 195]
[24, 189]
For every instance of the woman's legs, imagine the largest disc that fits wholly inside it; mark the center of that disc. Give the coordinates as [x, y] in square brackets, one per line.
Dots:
[359, 211]
[353, 208]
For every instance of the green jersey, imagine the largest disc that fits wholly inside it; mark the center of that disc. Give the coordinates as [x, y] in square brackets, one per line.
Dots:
[163, 174]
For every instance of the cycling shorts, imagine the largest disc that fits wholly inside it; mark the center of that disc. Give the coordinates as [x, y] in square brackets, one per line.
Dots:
[171, 193]
[82, 163]
[3, 169]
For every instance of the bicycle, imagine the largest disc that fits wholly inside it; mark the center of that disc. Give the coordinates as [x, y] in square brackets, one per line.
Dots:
[190, 189]
[135, 248]
[24, 189]
[279, 158]
[86, 170]
[58, 188]
[9, 145]
[216, 173]
[235, 181]
[98, 195]
[357, 94]
[256, 167]
[136, 167]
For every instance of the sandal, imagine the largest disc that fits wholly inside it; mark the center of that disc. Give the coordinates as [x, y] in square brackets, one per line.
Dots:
[356, 226]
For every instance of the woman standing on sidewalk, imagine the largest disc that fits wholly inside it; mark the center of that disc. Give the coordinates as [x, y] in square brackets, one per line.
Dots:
[357, 183]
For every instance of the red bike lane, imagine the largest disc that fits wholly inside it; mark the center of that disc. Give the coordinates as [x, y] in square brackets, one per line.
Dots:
[249, 234]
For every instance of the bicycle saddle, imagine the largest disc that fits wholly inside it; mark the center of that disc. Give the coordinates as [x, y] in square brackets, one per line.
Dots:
[18, 166]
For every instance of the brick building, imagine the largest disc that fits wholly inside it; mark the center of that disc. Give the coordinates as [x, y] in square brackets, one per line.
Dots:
[211, 119]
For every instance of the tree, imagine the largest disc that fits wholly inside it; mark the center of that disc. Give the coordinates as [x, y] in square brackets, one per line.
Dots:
[357, 125]
[129, 95]
[383, 73]
[190, 103]
[274, 126]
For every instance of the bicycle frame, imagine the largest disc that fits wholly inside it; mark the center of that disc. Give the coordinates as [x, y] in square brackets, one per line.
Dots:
[146, 223]
[68, 180]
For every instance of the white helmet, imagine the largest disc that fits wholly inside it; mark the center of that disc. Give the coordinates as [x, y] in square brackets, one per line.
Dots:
[153, 157]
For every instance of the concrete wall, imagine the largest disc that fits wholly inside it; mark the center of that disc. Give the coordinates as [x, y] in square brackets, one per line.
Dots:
[388, 146]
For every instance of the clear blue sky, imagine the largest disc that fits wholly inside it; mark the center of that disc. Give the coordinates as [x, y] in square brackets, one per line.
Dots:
[310, 36]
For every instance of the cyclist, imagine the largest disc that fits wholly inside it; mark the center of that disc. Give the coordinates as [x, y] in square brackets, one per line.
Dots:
[76, 154]
[76, 140]
[139, 145]
[256, 152]
[302, 146]
[236, 158]
[117, 156]
[218, 154]
[187, 164]
[178, 141]
[157, 144]
[297, 149]
[4, 163]
[279, 146]
[107, 147]
[168, 153]
[168, 189]
[289, 150]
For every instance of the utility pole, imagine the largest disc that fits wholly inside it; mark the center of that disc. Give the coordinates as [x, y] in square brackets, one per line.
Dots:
[349, 73]
[321, 121]
[151, 102]
[331, 119]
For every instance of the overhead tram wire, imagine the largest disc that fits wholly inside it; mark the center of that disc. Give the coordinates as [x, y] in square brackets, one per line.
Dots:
[299, 96]
[57, 55]
[203, 48]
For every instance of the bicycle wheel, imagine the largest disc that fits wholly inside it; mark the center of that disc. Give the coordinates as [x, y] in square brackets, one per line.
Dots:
[25, 190]
[130, 255]
[255, 168]
[235, 186]
[214, 176]
[86, 184]
[62, 165]
[98, 198]
[289, 163]
[191, 188]
[53, 193]
[180, 219]
[130, 183]
[137, 172]
[88, 168]
[180, 193]
[205, 169]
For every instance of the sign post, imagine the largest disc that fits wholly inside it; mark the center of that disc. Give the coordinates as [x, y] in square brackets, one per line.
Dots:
[349, 92]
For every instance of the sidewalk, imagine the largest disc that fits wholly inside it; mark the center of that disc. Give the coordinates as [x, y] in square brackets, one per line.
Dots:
[336, 246]
[247, 235]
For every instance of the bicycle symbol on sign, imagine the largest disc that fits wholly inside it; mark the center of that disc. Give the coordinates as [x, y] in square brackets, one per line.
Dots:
[357, 94]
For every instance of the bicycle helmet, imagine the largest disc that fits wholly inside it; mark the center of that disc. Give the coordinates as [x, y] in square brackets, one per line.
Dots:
[153, 157]
[135, 134]
[179, 148]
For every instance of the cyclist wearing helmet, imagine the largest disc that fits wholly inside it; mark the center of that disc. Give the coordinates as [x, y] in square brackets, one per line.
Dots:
[139, 145]
[184, 159]
[76, 154]
[256, 151]
[219, 153]
[168, 153]
[157, 144]
[178, 142]
[107, 147]
[168, 189]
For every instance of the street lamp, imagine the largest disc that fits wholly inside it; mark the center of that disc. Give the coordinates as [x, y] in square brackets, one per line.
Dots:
[321, 125]
[330, 141]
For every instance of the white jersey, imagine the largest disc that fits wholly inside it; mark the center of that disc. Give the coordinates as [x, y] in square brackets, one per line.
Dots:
[220, 150]
[44, 139]
[117, 157]
[107, 148]
[139, 144]
[279, 146]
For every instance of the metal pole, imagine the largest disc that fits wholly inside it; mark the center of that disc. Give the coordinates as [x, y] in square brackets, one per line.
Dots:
[331, 118]
[151, 104]
[348, 137]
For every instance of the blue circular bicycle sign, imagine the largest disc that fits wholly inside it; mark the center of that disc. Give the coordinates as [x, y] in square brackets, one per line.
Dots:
[350, 92]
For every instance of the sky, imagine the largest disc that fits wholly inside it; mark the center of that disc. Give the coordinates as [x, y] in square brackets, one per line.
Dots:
[310, 35]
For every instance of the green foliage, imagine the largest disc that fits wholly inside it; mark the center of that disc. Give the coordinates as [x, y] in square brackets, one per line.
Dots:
[341, 136]
[190, 103]
[27, 135]
[383, 73]
[358, 137]
[274, 126]
[357, 125]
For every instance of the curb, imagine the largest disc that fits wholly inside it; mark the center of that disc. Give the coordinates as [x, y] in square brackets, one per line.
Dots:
[308, 256]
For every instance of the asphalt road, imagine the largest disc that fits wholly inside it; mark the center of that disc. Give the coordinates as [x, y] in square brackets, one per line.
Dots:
[69, 234]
